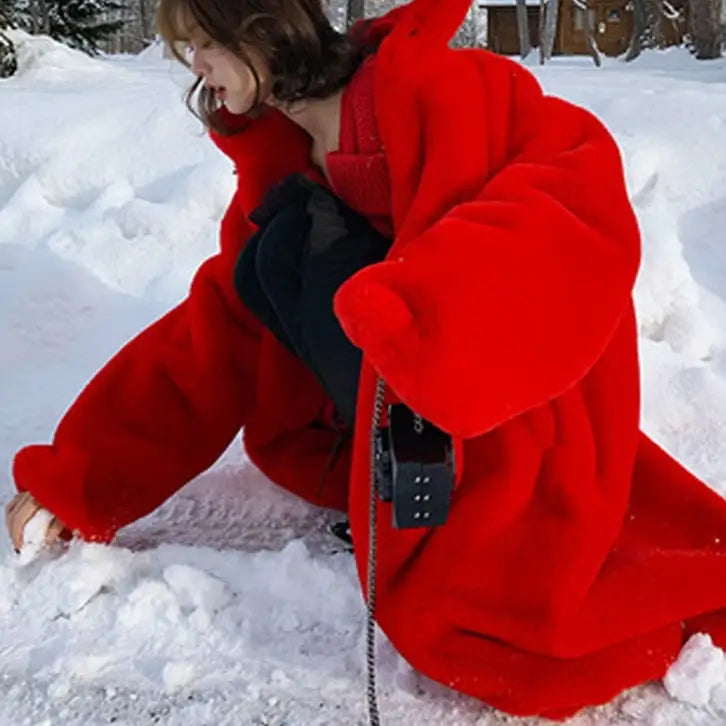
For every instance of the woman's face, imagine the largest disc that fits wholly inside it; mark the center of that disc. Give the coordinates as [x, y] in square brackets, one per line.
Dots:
[226, 75]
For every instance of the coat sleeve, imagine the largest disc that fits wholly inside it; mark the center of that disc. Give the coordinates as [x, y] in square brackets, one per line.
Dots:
[159, 412]
[510, 297]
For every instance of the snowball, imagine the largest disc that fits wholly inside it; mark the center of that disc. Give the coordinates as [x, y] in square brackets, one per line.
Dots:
[34, 536]
[195, 588]
[178, 674]
[698, 669]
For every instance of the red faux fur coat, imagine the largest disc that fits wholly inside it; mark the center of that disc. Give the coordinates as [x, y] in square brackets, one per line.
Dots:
[577, 554]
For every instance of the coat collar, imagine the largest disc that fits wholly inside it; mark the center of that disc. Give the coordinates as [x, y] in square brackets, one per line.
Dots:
[264, 151]
[270, 147]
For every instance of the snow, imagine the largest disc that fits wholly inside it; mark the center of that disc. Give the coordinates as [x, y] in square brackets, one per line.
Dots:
[698, 670]
[232, 604]
[34, 536]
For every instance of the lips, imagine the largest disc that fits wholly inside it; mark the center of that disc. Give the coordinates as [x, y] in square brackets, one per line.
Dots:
[219, 92]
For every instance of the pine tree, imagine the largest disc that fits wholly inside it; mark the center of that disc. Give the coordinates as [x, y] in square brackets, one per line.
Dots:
[8, 59]
[82, 24]
[6, 13]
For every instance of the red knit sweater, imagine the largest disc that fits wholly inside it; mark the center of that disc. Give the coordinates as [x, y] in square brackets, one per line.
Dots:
[358, 169]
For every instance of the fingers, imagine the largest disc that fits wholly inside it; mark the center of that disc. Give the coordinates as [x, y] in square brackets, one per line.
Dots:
[14, 503]
[54, 531]
[17, 514]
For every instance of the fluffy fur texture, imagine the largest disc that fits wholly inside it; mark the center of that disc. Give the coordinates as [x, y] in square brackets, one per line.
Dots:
[577, 554]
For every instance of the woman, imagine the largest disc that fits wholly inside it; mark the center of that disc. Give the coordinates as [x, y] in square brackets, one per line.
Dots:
[577, 555]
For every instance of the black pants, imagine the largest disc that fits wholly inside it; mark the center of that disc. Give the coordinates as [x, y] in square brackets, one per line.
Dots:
[287, 275]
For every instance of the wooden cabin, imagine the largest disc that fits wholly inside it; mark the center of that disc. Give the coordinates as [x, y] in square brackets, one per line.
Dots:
[612, 22]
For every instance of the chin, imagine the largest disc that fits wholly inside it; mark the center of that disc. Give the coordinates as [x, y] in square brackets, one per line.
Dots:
[237, 107]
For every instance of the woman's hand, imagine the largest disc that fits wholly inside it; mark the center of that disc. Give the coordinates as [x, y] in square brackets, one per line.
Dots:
[21, 509]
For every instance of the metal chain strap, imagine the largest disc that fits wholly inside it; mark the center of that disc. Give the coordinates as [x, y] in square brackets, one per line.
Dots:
[373, 714]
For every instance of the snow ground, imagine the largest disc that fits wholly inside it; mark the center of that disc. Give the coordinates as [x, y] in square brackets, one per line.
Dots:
[231, 604]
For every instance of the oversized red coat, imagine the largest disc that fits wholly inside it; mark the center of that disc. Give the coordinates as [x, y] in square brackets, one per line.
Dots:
[577, 554]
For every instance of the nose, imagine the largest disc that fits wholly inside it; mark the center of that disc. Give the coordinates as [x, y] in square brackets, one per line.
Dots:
[198, 64]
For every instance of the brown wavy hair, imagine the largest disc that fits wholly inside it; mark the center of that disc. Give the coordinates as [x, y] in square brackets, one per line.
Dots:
[306, 56]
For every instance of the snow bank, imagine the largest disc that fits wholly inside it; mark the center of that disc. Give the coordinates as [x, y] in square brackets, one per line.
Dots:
[109, 171]
[698, 670]
[41, 57]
